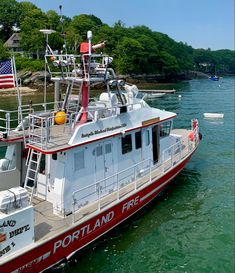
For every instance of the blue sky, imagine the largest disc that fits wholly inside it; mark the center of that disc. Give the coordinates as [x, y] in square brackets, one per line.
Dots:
[199, 23]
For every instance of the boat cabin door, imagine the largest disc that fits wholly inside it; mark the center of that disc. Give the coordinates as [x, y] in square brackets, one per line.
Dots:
[104, 166]
[155, 143]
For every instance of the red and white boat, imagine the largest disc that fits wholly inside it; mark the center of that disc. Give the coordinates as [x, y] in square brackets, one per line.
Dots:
[91, 164]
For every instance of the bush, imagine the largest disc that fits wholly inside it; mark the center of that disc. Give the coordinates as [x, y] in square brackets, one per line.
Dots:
[4, 52]
[23, 63]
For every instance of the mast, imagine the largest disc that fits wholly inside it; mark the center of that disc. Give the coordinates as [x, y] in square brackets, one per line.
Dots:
[86, 49]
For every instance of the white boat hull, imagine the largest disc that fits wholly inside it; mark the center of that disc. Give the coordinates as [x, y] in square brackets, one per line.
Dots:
[213, 115]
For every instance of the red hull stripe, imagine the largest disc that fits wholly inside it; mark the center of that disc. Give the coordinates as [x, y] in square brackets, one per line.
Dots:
[49, 253]
[97, 139]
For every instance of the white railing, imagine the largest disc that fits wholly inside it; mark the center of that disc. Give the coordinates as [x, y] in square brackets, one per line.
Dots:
[176, 152]
[10, 121]
[45, 133]
[113, 188]
[78, 67]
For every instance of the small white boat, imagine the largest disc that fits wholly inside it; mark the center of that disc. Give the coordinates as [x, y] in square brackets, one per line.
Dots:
[213, 115]
[154, 95]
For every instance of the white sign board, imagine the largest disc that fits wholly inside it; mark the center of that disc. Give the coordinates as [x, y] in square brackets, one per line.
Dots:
[16, 230]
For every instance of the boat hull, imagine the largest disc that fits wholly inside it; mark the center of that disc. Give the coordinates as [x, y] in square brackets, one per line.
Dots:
[61, 247]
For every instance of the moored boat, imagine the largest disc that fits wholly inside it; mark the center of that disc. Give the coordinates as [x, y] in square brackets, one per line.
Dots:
[91, 164]
[214, 78]
[154, 95]
[213, 115]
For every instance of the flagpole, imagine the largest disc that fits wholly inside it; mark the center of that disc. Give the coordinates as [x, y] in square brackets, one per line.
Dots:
[18, 96]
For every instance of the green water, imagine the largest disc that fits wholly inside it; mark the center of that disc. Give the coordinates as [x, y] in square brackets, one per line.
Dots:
[190, 226]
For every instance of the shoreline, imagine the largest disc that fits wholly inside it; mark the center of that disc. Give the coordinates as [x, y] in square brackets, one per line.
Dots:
[13, 91]
[32, 90]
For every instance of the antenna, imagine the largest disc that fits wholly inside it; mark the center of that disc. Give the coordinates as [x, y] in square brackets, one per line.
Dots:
[63, 33]
[48, 50]
[47, 32]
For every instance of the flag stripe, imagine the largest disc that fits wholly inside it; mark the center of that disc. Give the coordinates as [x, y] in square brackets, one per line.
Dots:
[7, 79]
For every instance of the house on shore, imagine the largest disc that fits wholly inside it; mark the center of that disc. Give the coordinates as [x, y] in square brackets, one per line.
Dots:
[13, 43]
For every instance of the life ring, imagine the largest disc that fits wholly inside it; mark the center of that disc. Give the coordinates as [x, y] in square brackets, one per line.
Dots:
[191, 136]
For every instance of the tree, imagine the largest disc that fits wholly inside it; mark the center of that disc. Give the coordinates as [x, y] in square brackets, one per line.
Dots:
[84, 22]
[4, 53]
[167, 63]
[9, 17]
[127, 53]
[25, 8]
[31, 39]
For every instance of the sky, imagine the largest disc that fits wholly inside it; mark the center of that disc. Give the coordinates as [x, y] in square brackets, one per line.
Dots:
[199, 23]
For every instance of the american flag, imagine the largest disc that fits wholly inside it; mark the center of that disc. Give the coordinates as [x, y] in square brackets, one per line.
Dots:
[7, 79]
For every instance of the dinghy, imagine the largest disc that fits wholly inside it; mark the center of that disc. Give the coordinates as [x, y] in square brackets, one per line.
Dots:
[213, 115]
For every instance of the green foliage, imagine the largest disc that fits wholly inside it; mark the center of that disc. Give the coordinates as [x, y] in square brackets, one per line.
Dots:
[9, 17]
[4, 53]
[84, 22]
[128, 54]
[31, 38]
[23, 63]
[168, 63]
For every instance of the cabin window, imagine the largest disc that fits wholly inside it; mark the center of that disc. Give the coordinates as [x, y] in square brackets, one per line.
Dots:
[165, 129]
[79, 161]
[138, 140]
[108, 148]
[147, 139]
[54, 156]
[99, 151]
[126, 144]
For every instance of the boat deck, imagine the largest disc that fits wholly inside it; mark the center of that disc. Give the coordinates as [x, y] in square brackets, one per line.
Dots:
[58, 138]
[17, 135]
[47, 224]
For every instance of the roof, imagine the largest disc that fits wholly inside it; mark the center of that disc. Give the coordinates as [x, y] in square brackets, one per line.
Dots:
[13, 41]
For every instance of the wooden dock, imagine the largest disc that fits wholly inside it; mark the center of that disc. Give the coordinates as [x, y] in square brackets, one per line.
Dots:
[157, 91]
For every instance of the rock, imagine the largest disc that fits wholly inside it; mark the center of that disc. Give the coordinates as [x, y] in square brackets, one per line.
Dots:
[24, 75]
[33, 78]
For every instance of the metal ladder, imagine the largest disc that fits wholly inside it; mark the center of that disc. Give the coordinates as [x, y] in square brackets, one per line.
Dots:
[33, 163]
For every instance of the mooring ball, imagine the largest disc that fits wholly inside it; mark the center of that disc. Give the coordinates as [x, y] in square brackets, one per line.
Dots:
[60, 117]
[191, 136]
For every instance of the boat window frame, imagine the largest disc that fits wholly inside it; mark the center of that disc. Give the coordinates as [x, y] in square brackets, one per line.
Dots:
[138, 140]
[126, 144]
[147, 138]
[165, 128]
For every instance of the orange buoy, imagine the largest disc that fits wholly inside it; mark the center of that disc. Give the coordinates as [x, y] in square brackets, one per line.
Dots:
[60, 117]
[191, 136]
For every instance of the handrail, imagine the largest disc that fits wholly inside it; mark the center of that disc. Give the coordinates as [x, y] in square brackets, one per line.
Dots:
[99, 181]
[44, 129]
[10, 119]
[178, 152]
